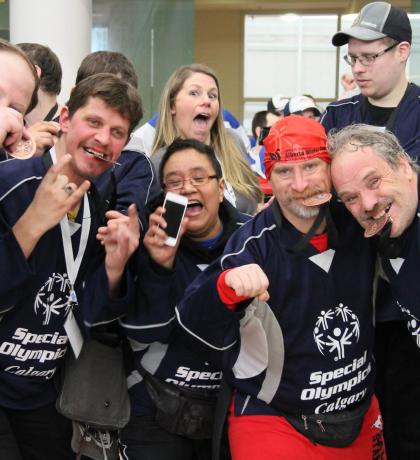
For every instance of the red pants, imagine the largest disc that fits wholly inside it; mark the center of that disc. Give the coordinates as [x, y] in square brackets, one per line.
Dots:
[267, 437]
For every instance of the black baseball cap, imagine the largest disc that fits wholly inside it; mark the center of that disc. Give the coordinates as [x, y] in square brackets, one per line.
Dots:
[377, 20]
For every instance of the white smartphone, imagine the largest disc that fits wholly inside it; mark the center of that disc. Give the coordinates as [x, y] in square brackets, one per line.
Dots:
[175, 206]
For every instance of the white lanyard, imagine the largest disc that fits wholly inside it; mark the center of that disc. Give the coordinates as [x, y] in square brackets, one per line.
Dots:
[72, 263]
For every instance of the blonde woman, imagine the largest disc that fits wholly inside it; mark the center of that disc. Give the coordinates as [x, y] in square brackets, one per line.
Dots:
[190, 108]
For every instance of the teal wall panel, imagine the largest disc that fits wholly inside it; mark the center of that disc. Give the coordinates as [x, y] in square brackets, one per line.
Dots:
[4, 20]
[158, 36]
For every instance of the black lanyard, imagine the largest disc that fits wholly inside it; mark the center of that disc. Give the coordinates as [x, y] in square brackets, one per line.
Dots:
[51, 113]
[324, 213]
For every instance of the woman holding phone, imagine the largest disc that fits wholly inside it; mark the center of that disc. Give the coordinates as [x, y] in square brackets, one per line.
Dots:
[163, 364]
[190, 108]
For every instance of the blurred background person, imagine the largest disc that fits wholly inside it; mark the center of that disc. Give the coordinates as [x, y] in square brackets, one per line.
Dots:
[261, 124]
[42, 121]
[133, 180]
[276, 104]
[303, 105]
[349, 86]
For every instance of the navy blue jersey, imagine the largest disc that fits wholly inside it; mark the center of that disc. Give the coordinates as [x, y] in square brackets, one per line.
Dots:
[404, 276]
[406, 126]
[34, 292]
[308, 349]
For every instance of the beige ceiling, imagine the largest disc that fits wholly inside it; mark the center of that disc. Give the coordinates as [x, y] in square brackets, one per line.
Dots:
[331, 6]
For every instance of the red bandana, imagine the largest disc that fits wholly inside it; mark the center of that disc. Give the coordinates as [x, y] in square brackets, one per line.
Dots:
[294, 138]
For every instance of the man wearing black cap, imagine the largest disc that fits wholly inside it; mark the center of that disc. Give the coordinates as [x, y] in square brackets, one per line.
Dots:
[379, 43]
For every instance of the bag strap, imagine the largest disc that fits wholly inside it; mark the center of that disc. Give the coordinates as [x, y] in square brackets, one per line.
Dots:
[89, 432]
[103, 445]
[304, 241]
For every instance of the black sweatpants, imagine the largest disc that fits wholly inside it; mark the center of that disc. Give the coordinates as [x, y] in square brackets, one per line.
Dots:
[38, 434]
[398, 389]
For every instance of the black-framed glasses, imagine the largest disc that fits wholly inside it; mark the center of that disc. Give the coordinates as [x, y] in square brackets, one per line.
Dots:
[367, 59]
[176, 182]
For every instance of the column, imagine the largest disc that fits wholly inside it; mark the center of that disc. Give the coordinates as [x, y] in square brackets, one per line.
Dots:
[63, 25]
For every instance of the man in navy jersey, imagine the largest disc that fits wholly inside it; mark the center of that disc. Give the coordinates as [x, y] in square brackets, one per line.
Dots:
[281, 315]
[48, 223]
[379, 45]
[378, 182]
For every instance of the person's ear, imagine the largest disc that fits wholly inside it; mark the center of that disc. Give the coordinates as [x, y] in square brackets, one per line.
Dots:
[405, 168]
[38, 71]
[404, 49]
[64, 119]
[221, 187]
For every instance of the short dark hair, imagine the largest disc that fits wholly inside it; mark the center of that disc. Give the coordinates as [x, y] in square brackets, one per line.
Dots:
[260, 120]
[109, 62]
[183, 144]
[8, 47]
[48, 62]
[113, 91]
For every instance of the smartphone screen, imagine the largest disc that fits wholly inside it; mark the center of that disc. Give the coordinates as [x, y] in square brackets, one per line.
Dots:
[173, 216]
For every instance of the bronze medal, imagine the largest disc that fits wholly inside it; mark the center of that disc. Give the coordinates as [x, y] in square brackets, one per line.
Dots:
[318, 199]
[25, 149]
[376, 226]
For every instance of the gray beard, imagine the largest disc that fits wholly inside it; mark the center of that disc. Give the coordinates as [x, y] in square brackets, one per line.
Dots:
[301, 211]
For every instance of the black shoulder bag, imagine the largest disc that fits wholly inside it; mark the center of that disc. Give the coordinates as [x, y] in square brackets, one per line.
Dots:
[183, 411]
[94, 394]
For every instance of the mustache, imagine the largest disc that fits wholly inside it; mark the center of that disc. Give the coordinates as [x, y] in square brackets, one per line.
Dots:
[305, 194]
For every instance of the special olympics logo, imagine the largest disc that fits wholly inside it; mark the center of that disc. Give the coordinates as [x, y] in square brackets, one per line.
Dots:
[413, 324]
[53, 297]
[336, 329]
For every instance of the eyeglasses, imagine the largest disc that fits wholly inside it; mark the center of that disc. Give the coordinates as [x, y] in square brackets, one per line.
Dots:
[366, 59]
[176, 183]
